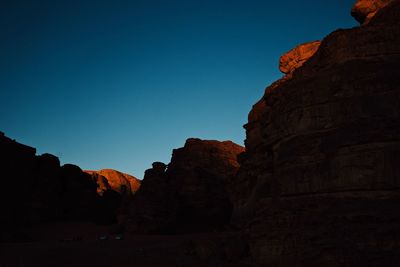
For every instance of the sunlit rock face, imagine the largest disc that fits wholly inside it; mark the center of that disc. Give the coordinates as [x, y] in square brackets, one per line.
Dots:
[321, 167]
[101, 181]
[296, 57]
[191, 194]
[364, 10]
[122, 183]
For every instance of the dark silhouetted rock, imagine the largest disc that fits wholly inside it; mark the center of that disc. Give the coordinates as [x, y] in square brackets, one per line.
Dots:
[191, 194]
[37, 191]
[319, 181]
[152, 208]
[200, 173]
[17, 164]
[79, 197]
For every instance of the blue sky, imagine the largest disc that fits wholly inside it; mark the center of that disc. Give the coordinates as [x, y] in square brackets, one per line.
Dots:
[119, 84]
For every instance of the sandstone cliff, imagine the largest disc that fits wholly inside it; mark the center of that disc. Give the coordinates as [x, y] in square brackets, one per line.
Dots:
[190, 194]
[319, 181]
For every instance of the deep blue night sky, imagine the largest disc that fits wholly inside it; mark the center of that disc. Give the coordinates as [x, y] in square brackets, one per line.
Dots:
[119, 84]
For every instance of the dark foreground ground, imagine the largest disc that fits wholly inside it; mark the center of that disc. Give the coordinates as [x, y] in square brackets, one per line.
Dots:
[60, 248]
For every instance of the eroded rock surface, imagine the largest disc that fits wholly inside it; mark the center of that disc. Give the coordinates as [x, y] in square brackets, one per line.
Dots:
[122, 183]
[364, 10]
[191, 193]
[296, 57]
[319, 181]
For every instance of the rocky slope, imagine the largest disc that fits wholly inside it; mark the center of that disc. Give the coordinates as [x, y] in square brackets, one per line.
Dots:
[319, 181]
[190, 194]
[122, 183]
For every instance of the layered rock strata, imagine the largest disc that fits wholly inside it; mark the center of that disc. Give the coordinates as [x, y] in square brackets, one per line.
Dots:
[319, 181]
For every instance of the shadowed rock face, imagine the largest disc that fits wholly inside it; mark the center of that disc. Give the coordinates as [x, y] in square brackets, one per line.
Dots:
[296, 57]
[122, 183]
[319, 181]
[364, 10]
[191, 194]
[38, 190]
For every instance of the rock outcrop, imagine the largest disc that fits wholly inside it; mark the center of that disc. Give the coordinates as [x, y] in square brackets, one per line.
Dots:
[122, 183]
[364, 10]
[100, 180]
[36, 190]
[296, 57]
[152, 208]
[190, 195]
[319, 181]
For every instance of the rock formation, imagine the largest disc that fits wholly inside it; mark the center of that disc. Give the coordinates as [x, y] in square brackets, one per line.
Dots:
[100, 180]
[190, 194]
[364, 10]
[122, 183]
[151, 209]
[319, 181]
[38, 190]
[296, 57]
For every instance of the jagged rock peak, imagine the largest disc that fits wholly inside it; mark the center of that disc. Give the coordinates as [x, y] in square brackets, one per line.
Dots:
[364, 10]
[296, 57]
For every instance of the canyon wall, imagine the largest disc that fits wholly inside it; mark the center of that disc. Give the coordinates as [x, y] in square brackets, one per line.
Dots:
[319, 181]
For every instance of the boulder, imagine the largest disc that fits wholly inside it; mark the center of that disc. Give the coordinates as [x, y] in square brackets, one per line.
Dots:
[296, 57]
[364, 10]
